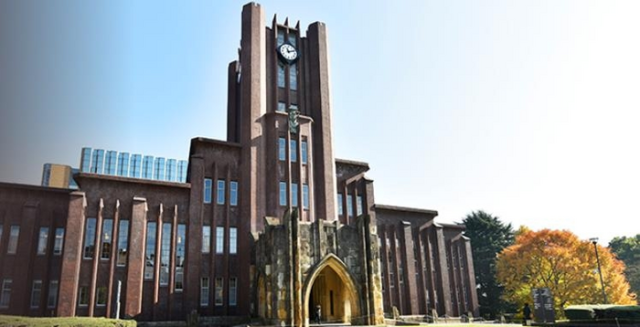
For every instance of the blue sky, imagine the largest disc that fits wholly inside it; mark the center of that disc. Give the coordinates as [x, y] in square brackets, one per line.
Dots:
[525, 109]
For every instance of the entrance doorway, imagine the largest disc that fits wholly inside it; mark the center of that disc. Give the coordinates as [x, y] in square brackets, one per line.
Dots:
[331, 288]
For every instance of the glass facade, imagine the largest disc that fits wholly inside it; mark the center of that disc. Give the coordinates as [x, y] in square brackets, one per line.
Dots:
[72, 182]
[147, 167]
[158, 169]
[135, 170]
[46, 174]
[85, 160]
[111, 162]
[182, 171]
[97, 161]
[123, 164]
[171, 175]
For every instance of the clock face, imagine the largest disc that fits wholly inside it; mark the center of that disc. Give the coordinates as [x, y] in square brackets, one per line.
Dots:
[288, 52]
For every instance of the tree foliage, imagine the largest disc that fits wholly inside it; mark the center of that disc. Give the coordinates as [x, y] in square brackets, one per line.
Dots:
[563, 263]
[627, 249]
[488, 237]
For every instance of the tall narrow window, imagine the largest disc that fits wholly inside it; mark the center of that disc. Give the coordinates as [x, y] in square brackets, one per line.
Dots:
[165, 254]
[83, 296]
[282, 152]
[150, 251]
[220, 192]
[359, 205]
[89, 238]
[101, 296]
[294, 195]
[207, 190]
[233, 193]
[303, 152]
[305, 196]
[43, 238]
[182, 171]
[219, 288]
[206, 239]
[340, 209]
[97, 161]
[52, 299]
[14, 235]
[233, 291]
[204, 291]
[58, 242]
[219, 240]
[36, 293]
[280, 39]
[180, 251]
[280, 75]
[5, 296]
[283, 193]
[233, 240]
[123, 242]
[293, 77]
[350, 205]
[107, 239]
[0, 233]
[282, 107]
[293, 150]
[85, 162]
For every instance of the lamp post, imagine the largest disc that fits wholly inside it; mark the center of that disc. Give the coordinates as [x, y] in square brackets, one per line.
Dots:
[594, 240]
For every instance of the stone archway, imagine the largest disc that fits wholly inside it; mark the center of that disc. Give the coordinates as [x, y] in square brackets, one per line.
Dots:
[331, 286]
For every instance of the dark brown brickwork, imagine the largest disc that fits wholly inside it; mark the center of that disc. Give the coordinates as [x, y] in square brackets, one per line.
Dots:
[339, 247]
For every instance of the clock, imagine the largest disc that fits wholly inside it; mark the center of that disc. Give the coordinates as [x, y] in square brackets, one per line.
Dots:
[287, 53]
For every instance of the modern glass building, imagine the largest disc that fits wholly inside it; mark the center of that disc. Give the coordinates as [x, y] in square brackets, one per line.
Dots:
[124, 164]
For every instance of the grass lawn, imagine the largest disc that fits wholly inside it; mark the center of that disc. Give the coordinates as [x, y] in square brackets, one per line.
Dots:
[17, 321]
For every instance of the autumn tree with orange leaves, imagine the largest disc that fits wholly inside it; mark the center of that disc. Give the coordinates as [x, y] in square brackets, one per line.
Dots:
[563, 263]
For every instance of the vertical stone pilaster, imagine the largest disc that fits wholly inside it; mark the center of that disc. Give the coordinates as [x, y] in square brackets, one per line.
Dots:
[72, 255]
[442, 271]
[471, 278]
[410, 270]
[135, 275]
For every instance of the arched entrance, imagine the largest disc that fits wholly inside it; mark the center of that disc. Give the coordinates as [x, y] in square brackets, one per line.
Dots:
[330, 285]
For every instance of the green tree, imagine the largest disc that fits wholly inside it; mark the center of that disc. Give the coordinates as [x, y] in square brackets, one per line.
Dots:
[627, 249]
[488, 237]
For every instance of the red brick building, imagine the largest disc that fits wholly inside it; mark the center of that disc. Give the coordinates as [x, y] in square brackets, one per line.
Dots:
[269, 223]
